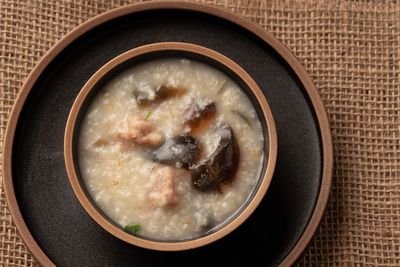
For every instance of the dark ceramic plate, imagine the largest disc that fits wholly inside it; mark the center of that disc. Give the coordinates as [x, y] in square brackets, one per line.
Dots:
[50, 219]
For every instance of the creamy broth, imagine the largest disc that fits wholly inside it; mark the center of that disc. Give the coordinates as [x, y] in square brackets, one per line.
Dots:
[123, 143]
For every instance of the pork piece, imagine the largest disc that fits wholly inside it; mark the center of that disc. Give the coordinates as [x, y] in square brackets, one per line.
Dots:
[199, 114]
[137, 130]
[164, 194]
[179, 151]
[220, 166]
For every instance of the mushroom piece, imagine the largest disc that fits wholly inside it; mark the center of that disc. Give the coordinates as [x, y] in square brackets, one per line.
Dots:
[220, 166]
[199, 114]
[179, 151]
[101, 142]
[147, 95]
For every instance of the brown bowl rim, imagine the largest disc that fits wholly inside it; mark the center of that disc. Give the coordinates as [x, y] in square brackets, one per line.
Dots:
[268, 38]
[71, 134]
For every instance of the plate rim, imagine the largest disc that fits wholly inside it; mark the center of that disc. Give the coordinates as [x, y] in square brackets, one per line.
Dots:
[268, 38]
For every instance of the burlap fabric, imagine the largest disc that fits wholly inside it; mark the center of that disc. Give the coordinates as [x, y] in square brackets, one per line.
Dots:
[351, 50]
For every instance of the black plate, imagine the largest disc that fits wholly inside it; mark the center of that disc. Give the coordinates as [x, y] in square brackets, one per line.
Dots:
[55, 218]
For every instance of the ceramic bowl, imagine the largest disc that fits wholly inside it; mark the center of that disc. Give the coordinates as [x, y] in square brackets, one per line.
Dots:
[158, 51]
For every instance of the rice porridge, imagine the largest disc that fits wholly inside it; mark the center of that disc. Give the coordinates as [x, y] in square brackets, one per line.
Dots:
[171, 148]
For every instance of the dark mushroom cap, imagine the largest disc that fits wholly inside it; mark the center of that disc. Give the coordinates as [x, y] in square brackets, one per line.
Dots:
[221, 165]
[179, 151]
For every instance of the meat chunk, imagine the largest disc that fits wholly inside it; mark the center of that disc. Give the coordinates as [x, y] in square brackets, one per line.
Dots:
[139, 131]
[164, 194]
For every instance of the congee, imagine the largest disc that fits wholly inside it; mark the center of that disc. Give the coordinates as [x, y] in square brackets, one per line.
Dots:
[169, 149]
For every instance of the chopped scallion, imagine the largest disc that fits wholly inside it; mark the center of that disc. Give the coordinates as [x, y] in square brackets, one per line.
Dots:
[133, 228]
[148, 115]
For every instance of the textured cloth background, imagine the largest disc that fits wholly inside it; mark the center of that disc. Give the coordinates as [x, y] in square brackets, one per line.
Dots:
[351, 49]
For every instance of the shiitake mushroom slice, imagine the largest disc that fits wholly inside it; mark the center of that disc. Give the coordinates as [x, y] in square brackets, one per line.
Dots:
[199, 114]
[220, 166]
[179, 151]
[146, 95]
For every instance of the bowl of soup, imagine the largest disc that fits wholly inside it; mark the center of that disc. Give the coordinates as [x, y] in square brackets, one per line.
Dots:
[170, 146]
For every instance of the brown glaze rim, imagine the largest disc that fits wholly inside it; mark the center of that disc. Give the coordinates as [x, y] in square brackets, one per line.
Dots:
[109, 15]
[71, 134]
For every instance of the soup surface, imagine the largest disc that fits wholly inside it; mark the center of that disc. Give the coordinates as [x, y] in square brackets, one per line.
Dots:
[169, 149]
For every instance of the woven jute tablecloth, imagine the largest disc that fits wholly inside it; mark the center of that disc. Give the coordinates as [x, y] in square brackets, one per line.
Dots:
[351, 49]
